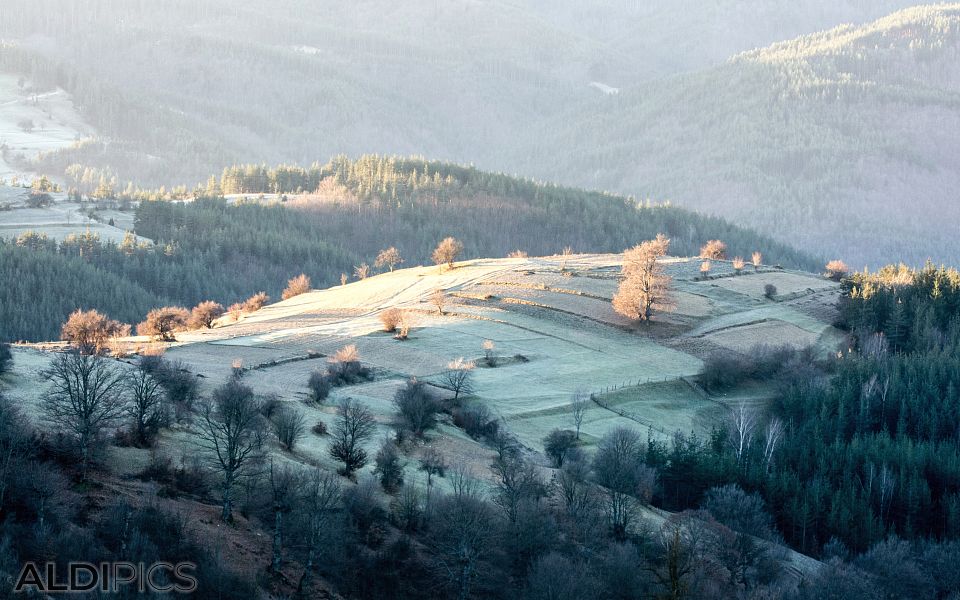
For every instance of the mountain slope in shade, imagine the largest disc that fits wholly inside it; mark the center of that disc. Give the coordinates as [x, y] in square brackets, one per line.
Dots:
[853, 131]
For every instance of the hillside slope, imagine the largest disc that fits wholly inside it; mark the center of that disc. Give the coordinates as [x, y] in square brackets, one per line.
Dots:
[178, 89]
[850, 131]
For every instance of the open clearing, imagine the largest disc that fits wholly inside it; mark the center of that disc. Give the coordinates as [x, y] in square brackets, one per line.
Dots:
[554, 333]
[34, 122]
[61, 219]
[553, 328]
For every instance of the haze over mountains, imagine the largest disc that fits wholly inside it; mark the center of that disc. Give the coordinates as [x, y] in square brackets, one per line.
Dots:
[853, 128]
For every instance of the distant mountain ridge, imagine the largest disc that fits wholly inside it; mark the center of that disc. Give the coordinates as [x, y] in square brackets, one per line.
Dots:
[855, 130]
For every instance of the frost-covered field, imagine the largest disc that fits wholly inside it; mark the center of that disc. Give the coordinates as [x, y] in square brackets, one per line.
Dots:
[551, 323]
[31, 123]
[553, 330]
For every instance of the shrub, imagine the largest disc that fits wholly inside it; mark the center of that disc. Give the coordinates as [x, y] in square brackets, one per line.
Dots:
[738, 264]
[177, 381]
[162, 323]
[319, 428]
[361, 271]
[477, 421]
[204, 314]
[319, 385]
[517, 254]
[296, 286]
[837, 270]
[270, 406]
[769, 291]
[256, 302]
[390, 318]
[387, 465]
[490, 353]
[290, 426]
[722, 370]
[558, 444]
[90, 330]
[417, 407]
[345, 367]
[714, 249]
[705, 267]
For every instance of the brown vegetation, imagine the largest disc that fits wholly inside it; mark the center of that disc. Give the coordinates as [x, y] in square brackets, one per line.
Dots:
[89, 331]
[714, 249]
[837, 270]
[389, 258]
[645, 283]
[296, 286]
[256, 302]
[447, 251]
[391, 318]
[162, 323]
[204, 314]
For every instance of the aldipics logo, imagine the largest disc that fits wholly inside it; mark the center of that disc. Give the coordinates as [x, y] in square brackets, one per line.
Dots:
[107, 577]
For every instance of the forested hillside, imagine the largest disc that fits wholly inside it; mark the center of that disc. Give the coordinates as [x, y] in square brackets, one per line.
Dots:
[212, 248]
[845, 140]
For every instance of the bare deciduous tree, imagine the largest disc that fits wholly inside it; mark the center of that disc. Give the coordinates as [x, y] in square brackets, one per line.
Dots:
[389, 258]
[85, 396]
[290, 426]
[459, 378]
[618, 466]
[772, 439]
[231, 429]
[644, 284]
[417, 407]
[432, 463]
[460, 535]
[15, 434]
[146, 407]
[757, 260]
[285, 485]
[162, 323]
[361, 271]
[89, 331]
[742, 425]
[714, 249]
[578, 409]
[355, 425]
[320, 503]
[388, 466]
[204, 314]
[296, 286]
[447, 251]
[438, 299]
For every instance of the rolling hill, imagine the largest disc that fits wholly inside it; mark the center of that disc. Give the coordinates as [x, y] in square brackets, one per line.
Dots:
[553, 333]
[227, 248]
[845, 141]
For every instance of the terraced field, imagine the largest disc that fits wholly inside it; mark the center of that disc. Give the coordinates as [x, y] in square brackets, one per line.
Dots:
[552, 326]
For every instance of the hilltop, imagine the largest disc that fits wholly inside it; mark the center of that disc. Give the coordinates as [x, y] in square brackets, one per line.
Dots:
[554, 333]
[844, 140]
[325, 221]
